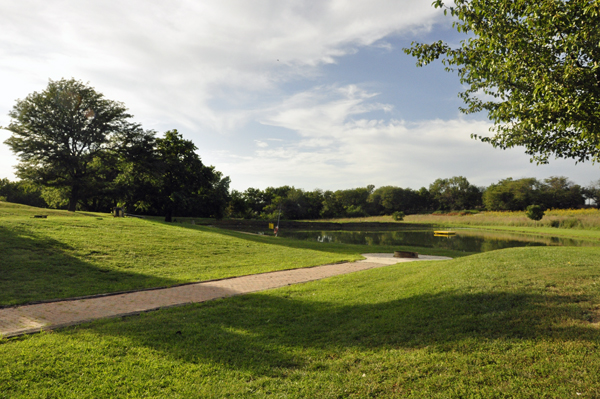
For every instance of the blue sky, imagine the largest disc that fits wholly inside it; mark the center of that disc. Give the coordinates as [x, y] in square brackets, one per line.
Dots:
[309, 94]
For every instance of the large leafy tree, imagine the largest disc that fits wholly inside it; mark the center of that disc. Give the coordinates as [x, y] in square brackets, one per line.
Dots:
[455, 193]
[534, 67]
[138, 182]
[512, 195]
[561, 193]
[62, 135]
[187, 186]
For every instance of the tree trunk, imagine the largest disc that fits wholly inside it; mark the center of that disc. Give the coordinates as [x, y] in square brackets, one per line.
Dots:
[73, 198]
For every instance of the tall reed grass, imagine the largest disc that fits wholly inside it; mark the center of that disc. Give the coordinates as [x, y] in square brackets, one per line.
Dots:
[559, 218]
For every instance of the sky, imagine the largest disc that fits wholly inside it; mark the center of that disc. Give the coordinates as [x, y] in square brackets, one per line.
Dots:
[311, 94]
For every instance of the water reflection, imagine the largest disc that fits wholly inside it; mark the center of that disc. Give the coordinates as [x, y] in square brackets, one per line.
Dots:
[325, 238]
[464, 240]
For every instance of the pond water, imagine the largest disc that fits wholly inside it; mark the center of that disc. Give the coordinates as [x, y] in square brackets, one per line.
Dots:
[468, 240]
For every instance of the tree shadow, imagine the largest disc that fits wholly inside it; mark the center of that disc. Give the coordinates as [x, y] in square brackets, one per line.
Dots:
[267, 334]
[37, 268]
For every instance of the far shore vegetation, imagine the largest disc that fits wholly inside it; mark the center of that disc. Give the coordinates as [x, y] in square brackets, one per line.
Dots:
[579, 219]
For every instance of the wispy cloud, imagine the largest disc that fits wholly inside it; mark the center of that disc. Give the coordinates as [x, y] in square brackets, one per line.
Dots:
[338, 145]
[172, 60]
[243, 80]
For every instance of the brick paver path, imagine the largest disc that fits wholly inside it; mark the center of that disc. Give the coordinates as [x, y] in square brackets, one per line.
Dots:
[46, 316]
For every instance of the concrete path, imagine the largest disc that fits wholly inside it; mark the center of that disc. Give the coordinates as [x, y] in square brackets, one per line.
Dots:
[28, 319]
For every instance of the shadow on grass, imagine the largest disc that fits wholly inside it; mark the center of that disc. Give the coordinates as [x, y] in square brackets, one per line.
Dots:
[267, 334]
[36, 268]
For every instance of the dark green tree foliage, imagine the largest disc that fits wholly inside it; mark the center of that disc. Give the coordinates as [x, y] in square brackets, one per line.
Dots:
[238, 207]
[355, 201]
[592, 192]
[22, 192]
[387, 200]
[516, 195]
[512, 195]
[186, 186]
[256, 200]
[560, 193]
[63, 134]
[332, 206]
[140, 173]
[314, 204]
[534, 67]
[535, 212]
[455, 193]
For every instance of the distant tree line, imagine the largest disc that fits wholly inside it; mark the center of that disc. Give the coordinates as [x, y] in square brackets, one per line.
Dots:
[443, 195]
[167, 183]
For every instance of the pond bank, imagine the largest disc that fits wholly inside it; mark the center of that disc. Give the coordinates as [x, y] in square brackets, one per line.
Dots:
[241, 224]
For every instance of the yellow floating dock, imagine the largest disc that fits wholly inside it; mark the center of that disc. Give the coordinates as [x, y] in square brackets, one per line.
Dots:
[444, 233]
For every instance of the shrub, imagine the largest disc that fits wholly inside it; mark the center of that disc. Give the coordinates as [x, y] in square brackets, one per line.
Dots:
[354, 211]
[570, 223]
[398, 216]
[534, 212]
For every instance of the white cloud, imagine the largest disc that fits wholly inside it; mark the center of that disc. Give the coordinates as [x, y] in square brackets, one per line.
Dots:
[169, 60]
[338, 146]
[218, 68]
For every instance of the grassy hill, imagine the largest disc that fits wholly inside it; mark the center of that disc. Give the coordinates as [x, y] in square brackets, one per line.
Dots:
[521, 322]
[73, 254]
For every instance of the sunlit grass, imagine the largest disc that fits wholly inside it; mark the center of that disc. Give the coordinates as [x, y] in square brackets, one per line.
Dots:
[556, 218]
[75, 254]
[513, 323]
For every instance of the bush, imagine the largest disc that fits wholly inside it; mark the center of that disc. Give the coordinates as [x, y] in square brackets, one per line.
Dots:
[570, 223]
[535, 212]
[356, 211]
[398, 216]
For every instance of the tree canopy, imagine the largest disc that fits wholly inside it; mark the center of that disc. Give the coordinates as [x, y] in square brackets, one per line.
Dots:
[188, 186]
[455, 193]
[534, 67]
[82, 151]
[59, 135]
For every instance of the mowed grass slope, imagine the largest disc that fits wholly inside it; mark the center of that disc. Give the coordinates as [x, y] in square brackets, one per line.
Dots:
[70, 255]
[520, 322]
[76, 254]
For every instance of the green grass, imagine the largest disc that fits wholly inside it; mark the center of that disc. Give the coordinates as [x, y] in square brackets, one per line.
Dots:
[558, 219]
[76, 254]
[554, 219]
[521, 322]
[581, 234]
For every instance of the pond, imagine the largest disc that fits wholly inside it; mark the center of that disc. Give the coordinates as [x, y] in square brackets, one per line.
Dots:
[467, 240]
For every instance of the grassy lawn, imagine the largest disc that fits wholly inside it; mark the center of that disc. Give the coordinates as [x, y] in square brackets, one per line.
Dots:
[521, 322]
[557, 220]
[75, 254]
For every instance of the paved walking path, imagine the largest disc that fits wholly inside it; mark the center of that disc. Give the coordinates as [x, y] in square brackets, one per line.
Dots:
[28, 319]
